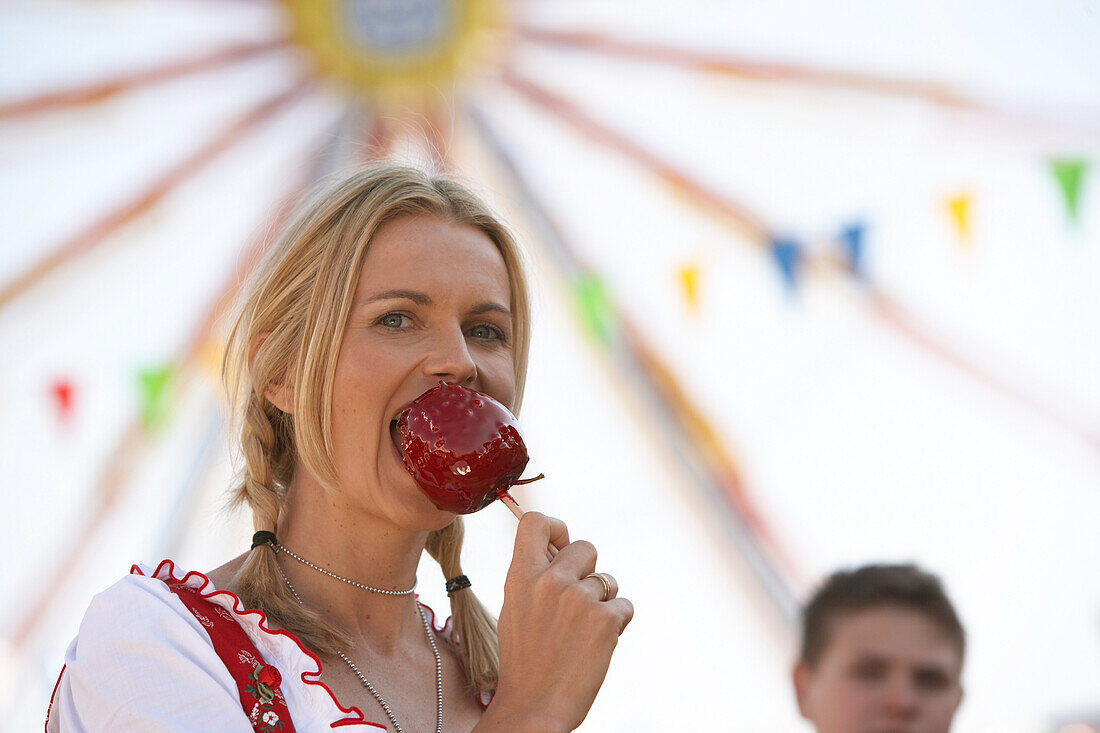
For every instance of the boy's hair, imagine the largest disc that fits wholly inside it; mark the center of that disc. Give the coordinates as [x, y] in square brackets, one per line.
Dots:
[875, 586]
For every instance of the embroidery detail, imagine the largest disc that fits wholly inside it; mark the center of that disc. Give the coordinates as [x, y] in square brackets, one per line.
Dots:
[247, 658]
[266, 680]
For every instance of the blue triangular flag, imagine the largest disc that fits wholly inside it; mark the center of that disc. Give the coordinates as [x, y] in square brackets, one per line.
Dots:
[851, 239]
[788, 255]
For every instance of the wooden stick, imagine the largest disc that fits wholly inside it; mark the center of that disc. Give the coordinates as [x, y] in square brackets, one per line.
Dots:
[512, 504]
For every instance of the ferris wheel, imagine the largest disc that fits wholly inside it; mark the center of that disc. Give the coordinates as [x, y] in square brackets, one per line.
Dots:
[808, 297]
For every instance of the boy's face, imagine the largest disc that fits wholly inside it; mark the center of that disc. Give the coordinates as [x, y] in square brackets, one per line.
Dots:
[884, 670]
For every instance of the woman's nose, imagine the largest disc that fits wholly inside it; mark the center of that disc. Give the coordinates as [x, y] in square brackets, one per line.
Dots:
[450, 360]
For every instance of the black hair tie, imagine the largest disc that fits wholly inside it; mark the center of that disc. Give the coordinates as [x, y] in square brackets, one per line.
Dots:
[457, 583]
[263, 537]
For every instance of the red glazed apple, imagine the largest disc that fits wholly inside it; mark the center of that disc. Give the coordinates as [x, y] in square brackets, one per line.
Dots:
[463, 447]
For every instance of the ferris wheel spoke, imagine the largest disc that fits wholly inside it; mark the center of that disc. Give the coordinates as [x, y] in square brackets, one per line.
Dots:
[732, 65]
[100, 229]
[1075, 123]
[98, 91]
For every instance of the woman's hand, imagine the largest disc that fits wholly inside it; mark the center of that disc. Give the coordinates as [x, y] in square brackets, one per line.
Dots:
[557, 632]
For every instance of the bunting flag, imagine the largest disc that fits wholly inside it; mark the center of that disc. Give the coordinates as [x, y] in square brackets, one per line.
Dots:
[788, 255]
[688, 276]
[958, 207]
[154, 383]
[595, 306]
[1069, 172]
[851, 240]
[62, 392]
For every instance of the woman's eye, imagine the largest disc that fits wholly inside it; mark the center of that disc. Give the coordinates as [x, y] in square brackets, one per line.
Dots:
[484, 331]
[393, 320]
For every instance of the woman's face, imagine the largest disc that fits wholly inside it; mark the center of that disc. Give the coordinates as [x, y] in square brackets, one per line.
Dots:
[433, 303]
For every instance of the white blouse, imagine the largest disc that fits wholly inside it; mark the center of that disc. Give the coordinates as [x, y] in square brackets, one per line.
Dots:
[142, 663]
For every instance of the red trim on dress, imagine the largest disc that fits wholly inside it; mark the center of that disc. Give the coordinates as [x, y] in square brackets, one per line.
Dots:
[238, 608]
[49, 708]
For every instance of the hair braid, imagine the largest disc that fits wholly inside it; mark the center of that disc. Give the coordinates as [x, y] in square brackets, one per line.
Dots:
[260, 582]
[475, 627]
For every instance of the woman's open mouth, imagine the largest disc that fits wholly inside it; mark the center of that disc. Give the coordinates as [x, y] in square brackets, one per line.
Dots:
[395, 440]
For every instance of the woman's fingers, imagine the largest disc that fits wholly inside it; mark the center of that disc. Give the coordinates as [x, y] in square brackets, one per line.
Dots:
[602, 590]
[559, 533]
[535, 533]
[576, 560]
[558, 628]
[624, 611]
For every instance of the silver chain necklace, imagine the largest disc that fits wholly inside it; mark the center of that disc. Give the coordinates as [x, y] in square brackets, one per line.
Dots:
[427, 632]
[279, 548]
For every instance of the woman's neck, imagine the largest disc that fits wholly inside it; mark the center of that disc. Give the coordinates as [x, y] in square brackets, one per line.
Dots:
[322, 527]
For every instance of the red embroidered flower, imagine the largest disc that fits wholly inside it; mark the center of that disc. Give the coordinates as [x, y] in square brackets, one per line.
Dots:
[268, 675]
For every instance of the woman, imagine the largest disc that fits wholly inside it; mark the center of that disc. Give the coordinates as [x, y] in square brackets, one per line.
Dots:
[385, 286]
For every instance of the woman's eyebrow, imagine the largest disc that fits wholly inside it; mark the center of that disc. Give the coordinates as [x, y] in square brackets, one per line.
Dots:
[477, 310]
[416, 297]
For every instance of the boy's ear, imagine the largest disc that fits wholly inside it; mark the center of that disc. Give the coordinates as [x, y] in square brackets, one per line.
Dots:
[279, 395]
[801, 678]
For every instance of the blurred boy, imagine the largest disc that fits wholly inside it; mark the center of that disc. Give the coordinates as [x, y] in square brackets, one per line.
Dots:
[882, 652]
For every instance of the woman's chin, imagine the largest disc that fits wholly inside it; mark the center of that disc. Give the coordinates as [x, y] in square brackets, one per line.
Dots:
[433, 519]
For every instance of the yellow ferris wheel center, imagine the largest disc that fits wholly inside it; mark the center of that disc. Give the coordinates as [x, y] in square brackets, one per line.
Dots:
[395, 45]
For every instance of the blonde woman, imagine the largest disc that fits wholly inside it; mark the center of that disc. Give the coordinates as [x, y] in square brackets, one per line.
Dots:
[386, 285]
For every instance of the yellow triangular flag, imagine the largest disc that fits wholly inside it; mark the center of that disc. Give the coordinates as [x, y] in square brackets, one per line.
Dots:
[688, 275]
[958, 207]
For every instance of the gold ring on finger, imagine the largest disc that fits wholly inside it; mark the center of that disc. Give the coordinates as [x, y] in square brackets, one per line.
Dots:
[606, 585]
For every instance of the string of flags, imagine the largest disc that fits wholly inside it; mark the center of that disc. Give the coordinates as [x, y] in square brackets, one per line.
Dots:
[595, 305]
[789, 253]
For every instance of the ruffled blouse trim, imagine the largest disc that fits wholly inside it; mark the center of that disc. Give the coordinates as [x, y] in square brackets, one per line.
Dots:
[166, 570]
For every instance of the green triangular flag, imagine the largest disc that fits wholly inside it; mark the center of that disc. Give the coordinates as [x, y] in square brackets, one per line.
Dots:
[1070, 172]
[595, 306]
[154, 384]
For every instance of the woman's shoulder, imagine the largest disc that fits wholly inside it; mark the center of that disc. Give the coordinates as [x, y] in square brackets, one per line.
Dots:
[138, 647]
[142, 599]
[158, 613]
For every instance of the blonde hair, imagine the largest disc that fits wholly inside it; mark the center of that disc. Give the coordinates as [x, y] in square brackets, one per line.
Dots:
[292, 316]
